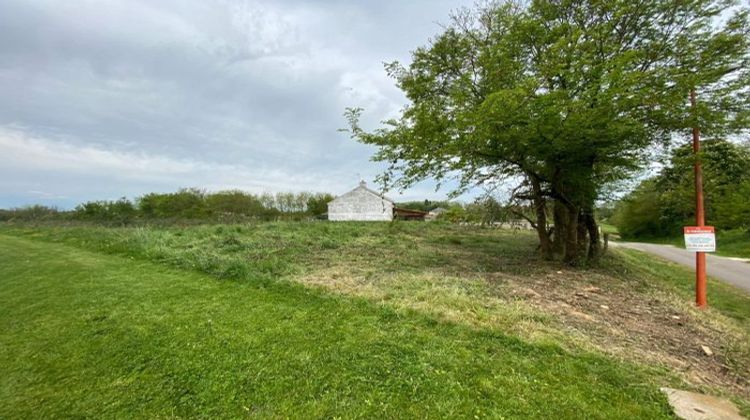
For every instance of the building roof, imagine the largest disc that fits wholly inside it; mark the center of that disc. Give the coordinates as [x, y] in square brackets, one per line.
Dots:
[363, 186]
[409, 213]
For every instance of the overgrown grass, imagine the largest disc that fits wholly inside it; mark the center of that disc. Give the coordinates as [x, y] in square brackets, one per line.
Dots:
[265, 251]
[85, 334]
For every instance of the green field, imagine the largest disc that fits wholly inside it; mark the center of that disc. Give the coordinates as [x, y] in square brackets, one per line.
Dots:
[337, 320]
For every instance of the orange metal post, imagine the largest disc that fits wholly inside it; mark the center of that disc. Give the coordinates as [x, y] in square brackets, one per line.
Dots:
[700, 257]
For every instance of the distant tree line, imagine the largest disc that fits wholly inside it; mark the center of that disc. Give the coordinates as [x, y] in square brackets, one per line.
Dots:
[195, 205]
[660, 206]
[185, 204]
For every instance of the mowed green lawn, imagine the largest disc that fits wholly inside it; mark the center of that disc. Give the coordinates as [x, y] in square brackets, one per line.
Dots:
[91, 334]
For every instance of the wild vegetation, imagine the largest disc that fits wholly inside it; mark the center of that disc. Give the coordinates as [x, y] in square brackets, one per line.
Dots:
[193, 206]
[186, 206]
[401, 319]
[563, 99]
[484, 210]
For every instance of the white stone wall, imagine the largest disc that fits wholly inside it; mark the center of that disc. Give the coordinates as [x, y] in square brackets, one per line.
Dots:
[360, 204]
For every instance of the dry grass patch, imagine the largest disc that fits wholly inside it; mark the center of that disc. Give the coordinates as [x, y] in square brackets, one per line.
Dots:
[637, 319]
[469, 301]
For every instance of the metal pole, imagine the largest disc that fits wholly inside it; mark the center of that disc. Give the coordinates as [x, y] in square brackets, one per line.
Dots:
[700, 257]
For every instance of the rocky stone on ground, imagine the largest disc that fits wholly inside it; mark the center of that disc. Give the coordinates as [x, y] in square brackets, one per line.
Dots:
[693, 406]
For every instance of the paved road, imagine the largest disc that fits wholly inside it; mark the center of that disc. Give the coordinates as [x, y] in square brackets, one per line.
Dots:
[735, 271]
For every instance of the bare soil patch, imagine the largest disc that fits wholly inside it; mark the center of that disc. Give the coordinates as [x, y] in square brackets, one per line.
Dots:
[652, 326]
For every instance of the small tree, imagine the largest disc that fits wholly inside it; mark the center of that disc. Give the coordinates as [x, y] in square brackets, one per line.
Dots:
[188, 203]
[317, 204]
[234, 203]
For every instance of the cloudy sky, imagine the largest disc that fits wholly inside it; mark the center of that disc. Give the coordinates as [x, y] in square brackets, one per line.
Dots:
[109, 98]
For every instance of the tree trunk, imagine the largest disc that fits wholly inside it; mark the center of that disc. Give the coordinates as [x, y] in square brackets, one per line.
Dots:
[582, 234]
[593, 231]
[540, 207]
[572, 252]
[559, 217]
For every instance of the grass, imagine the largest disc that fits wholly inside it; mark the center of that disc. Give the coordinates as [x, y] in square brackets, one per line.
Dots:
[733, 243]
[359, 319]
[84, 334]
[608, 228]
[727, 299]
[267, 251]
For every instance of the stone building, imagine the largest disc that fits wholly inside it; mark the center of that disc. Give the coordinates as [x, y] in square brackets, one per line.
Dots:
[361, 203]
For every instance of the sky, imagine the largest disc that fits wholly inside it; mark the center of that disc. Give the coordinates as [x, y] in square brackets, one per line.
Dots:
[101, 99]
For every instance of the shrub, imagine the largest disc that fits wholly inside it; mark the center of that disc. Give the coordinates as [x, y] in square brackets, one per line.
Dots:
[121, 211]
[187, 203]
[33, 213]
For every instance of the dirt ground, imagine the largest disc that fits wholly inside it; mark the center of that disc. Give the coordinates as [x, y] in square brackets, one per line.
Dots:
[653, 327]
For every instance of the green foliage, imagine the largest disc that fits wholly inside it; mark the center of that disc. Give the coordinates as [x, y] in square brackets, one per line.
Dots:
[121, 211]
[734, 243]
[661, 206]
[317, 204]
[605, 211]
[187, 203]
[231, 203]
[455, 214]
[568, 97]
[639, 214]
[732, 208]
[486, 210]
[426, 205]
[35, 213]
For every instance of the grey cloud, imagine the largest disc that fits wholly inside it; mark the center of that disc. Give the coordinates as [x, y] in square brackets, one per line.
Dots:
[258, 87]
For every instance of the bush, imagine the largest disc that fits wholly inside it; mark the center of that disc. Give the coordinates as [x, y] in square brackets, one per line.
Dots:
[33, 213]
[187, 203]
[234, 203]
[317, 204]
[121, 211]
[426, 205]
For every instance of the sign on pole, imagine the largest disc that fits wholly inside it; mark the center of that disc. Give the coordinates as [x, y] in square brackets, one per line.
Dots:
[700, 238]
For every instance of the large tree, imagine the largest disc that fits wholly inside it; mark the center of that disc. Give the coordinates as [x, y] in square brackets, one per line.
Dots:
[564, 97]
